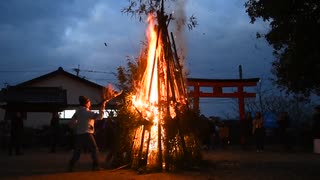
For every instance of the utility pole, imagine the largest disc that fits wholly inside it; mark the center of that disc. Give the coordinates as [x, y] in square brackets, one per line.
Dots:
[77, 70]
[240, 72]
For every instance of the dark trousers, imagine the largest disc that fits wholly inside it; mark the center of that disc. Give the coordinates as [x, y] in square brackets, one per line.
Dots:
[85, 141]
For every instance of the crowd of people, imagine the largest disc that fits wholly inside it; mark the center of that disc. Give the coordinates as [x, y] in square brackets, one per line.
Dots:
[252, 130]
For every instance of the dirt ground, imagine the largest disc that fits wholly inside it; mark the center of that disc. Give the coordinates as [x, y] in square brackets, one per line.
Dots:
[232, 163]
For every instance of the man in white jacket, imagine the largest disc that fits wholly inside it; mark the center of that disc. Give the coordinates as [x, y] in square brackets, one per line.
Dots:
[83, 124]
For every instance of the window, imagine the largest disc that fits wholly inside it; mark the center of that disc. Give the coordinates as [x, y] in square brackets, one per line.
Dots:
[67, 114]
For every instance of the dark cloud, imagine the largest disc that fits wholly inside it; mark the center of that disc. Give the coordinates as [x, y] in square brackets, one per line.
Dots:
[31, 29]
[39, 36]
[43, 35]
[224, 40]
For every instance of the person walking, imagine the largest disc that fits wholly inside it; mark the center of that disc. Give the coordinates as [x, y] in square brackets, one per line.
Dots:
[258, 131]
[83, 124]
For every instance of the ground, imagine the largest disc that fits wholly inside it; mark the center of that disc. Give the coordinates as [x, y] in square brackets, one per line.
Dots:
[231, 163]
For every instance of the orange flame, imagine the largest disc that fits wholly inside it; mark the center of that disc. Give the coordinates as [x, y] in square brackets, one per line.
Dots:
[154, 89]
[147, 98]
[149, 86]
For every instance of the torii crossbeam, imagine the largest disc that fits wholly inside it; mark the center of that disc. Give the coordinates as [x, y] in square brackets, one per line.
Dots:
[217, 86]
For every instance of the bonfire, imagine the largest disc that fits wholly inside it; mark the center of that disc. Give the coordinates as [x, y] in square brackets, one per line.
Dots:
[164, 138]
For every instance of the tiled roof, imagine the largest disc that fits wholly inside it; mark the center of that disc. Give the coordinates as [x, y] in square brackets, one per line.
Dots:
[57, 72]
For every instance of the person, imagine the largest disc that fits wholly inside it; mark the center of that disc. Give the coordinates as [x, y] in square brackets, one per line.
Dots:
[224, 135]
[316, 129]
[83, 123]
[213, 135]
[5, 133]
[54, 131]
[258, 131]
[110, 134]
[245, 130]
[16, 133]
[283, 125]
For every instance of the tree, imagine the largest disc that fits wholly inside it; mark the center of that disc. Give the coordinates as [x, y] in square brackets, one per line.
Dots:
[140, 8]
[294, 36]
[127, 75]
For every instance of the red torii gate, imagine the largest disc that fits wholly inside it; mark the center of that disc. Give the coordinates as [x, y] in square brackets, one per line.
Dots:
[217, 86]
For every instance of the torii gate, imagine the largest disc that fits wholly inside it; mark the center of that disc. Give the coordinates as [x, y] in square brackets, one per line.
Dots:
[217, 86]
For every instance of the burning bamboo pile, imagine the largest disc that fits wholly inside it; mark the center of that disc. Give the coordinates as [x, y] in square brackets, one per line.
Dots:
[165, 138]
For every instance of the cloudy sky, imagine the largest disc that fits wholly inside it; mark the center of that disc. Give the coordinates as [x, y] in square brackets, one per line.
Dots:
[38, 36]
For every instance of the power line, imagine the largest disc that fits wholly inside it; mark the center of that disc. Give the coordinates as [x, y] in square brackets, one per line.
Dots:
[78, 70]
[92, 71]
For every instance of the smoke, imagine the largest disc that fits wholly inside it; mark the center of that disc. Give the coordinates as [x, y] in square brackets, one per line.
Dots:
[180, 21]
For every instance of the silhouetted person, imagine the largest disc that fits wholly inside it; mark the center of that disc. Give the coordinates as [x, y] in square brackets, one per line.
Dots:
[283, 124]
[54, 131]
[258, 131]
[212, 135]
[83, 123]
[5, 133]
[245, 130]
[16, 133]
[224, 135]
[316, 129]
[110, 135]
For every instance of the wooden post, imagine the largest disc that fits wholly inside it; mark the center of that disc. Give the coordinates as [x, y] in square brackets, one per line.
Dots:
[196, 100]
[241, 103]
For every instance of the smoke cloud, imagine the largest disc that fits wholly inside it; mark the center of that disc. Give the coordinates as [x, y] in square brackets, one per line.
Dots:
[180, 20]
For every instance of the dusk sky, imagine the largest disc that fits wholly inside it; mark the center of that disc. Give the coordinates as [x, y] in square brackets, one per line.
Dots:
[38, 36]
